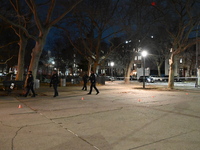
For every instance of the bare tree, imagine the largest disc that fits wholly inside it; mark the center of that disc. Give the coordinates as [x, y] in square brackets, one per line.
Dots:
[180, 19]
[8, 47]
[159, 45]
[23, 39]
[139, 19]
[43, 24]
[96, 22]
[17, 16]
[63, 52]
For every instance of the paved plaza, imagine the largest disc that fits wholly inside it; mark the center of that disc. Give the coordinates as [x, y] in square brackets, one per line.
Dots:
[120, 117]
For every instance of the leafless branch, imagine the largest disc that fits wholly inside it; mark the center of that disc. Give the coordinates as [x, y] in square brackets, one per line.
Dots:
[9, 44]
[7, 60]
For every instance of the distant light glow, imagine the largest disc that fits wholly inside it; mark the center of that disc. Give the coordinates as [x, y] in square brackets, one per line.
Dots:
[112, 64]
[153, 3]
[144, 53]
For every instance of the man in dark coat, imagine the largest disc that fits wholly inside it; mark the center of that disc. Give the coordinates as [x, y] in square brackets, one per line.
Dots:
[54, 81]
[85, 80]
[29, 84]
[92, 79]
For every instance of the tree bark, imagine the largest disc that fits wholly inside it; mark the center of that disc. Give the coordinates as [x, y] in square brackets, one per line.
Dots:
[158, 67]
[36, 53]
[128, 71]
[159, 72]
[171, 72]
[89, 67]
[95, 66]
[21, 55]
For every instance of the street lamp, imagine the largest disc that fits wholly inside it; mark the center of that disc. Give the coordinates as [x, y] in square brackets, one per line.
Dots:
[197, 57]
[144, 54]
[112, 64]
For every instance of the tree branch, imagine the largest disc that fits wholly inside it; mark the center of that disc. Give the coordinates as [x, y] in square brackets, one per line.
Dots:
[32, 6]
[18, 26]
[66, 12]
[9, 44]
[7, 60]
[50, 11]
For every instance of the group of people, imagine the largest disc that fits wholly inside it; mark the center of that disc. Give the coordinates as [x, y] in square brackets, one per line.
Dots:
[55, 81]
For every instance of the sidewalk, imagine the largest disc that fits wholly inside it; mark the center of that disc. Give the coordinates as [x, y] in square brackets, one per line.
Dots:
[121, 117]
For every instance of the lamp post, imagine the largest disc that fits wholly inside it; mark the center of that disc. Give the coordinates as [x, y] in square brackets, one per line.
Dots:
[197, 57]
[144, 54]
[112, 64]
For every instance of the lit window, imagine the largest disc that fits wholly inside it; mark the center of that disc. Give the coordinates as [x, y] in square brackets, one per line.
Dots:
[135, 57]
[139, 57]
[181, 61]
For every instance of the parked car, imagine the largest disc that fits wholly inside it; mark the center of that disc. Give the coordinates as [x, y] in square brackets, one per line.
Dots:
[156, 78]
[109, 78]
[148, 79]
[120, 78]
[165, 78]
[176, 79]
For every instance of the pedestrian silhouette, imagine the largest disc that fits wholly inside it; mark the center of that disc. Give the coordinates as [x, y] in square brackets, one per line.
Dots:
[85, 80]
[29, 84]
[92, 79]
[54, 81]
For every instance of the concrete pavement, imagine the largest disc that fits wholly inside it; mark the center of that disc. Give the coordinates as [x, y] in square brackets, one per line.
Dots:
[121, 117]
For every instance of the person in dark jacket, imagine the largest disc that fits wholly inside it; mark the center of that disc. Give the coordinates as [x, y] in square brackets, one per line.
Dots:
[92, 79]
[54, 81]
[85, 80]
[29, 84]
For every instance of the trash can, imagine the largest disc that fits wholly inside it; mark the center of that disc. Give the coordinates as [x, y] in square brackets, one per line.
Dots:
[62, 82]
[101, 80]
[36, 84]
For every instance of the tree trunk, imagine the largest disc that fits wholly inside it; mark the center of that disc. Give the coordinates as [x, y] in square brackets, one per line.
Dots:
[159, 64]
[89, 68]
[21, 55]
[128, 71]
[36, 53]
[171, 72]
[95, 65]
[159, 72]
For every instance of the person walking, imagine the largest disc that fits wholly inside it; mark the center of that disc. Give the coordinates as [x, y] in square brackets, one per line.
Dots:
[92, 79]
[29, 84]
[54, 81]
[85, 80]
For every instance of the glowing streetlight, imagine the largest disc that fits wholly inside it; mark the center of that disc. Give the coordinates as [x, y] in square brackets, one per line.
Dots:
[144, 54]
[112, 64]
